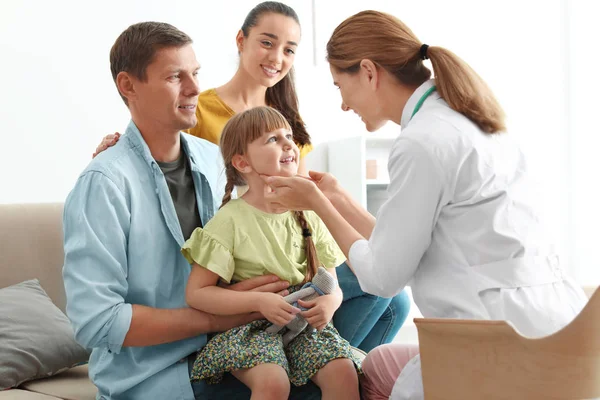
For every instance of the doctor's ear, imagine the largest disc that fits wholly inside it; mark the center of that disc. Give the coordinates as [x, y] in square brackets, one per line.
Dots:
[240, 163]
[369, 69]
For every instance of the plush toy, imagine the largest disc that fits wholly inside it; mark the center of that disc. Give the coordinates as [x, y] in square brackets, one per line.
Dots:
[322, 283]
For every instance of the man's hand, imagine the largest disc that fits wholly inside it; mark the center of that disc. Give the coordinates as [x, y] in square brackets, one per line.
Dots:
[265, 283]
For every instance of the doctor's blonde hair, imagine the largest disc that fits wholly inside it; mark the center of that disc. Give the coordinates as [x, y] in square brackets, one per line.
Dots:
[390, 44]
[241, 130]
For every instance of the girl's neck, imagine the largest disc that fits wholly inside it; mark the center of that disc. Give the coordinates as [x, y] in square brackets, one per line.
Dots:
[242, 92]
[255, 196]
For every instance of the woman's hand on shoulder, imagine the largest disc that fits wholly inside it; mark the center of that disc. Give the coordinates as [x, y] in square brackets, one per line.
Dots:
[107, 141]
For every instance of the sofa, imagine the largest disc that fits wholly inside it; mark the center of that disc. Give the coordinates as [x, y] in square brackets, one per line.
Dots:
[31, 250]
[31, 247]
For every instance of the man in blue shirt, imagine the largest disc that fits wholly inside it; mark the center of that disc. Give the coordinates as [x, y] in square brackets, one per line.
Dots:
[124, 224]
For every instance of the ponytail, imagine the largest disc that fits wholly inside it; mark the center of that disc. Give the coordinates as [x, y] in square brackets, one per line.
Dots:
[465, 92]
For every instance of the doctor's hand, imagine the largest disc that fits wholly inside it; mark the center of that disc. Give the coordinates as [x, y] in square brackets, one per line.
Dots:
[296, 193]
[326, 182]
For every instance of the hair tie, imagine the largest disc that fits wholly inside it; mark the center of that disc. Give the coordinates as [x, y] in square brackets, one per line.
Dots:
[306, 232]
[423, 51]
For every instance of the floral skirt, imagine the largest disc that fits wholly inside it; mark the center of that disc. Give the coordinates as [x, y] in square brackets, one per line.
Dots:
[250, 345]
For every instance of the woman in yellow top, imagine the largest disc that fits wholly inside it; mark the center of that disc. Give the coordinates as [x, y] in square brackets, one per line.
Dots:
[267, 43]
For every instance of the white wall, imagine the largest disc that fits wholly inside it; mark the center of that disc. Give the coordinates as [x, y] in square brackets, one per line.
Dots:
[58, 99]
[584, 137]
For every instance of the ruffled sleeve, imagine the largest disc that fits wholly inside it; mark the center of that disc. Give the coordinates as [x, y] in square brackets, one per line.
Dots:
[203, 249]
[211, 247]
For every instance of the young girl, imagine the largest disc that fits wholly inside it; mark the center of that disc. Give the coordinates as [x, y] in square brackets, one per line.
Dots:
[245, 239]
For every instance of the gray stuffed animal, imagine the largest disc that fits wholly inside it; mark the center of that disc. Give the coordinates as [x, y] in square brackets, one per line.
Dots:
[322, 283]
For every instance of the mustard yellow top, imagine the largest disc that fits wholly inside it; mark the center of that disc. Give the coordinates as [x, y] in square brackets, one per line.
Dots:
[213, 114]
[241, 242]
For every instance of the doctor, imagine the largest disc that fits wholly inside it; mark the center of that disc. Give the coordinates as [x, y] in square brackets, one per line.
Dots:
[459, 225]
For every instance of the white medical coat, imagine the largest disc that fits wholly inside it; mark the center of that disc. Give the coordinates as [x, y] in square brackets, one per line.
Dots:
[459, 227]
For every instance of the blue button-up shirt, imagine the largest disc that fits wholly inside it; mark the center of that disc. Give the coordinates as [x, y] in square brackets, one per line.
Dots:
[122, 243]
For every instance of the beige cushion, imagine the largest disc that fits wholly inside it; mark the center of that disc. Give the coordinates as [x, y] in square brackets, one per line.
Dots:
[73, 384]
[16, 394]
[31, 246]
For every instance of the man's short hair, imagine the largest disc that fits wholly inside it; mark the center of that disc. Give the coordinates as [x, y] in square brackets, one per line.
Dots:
[135, 48]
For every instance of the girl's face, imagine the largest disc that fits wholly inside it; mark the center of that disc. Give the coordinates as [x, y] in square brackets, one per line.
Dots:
[268, 53]
[273, 154]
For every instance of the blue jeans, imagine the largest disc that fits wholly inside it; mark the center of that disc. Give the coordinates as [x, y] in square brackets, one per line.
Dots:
[364, 320]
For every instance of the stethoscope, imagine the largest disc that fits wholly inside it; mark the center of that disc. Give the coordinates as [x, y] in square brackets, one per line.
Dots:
[422, 100]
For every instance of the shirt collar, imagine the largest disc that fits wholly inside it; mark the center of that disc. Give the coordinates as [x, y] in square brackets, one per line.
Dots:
[413, 100]
[139, 144]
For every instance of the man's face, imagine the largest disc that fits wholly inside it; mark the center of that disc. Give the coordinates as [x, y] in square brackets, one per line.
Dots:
[167, 99]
